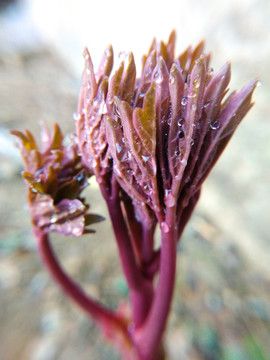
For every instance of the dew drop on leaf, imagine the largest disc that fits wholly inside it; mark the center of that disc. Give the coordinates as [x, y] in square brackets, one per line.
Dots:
[184, 101]
[210, 71]
[215, 124]
[181, 134]
[179, 122]
[142, 95]
[145, 158]
[165, 227]
[184, 162]
[196, 81]
[169, 198]
[192, 94]
[172, 79]
[53, 219]
[158, 77]
[118, 147]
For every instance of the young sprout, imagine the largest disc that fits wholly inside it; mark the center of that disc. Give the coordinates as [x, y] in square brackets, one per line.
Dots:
[150, 141]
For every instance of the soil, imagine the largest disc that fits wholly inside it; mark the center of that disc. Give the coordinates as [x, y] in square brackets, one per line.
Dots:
[221, 307]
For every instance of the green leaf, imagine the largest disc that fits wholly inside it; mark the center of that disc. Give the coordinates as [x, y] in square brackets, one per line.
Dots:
[57, 138]
[128, 80]
[93, 219]
[33, 183]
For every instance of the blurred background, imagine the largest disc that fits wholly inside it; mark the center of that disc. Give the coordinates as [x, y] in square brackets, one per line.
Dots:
[221, 308]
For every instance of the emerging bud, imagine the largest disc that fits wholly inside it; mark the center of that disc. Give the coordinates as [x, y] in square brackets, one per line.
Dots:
[159, 134]
[55, 179]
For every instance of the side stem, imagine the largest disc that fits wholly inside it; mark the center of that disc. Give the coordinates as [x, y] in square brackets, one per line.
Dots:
[104, 317]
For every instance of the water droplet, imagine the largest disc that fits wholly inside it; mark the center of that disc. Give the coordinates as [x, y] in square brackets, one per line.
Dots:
[145, 158]
[142, 95]
[118, 147]
[192, 94]
[194, 107]
[165, 227]
[184, 162]
[148, 72]
[192, 142]
[171, 79]
[80, 177]
[88, 71]
[179, 122]
[158, 77]
[169, 198]
[53, 219]
[130, 172]
[210, 71]
[94, 162]
[181, 134]
[177, 152]
[184, 101]
[215, 124]
[258, 83]
[33, 189]
[196, 81]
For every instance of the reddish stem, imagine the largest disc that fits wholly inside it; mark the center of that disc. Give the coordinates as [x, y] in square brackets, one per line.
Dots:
[104, 317]
[141, 288]
[148, 336]
[148, 243]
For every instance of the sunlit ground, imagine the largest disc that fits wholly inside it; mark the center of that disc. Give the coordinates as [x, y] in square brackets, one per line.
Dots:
[221, 308]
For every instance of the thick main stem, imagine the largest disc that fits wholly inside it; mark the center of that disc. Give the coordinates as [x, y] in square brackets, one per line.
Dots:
[149, 335]
[148, 243]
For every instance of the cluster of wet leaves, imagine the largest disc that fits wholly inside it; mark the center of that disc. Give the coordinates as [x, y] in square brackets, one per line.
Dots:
[55, 179]
[159, 134]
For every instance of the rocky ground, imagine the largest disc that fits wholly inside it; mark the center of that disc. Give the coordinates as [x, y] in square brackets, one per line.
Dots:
[221, 308]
